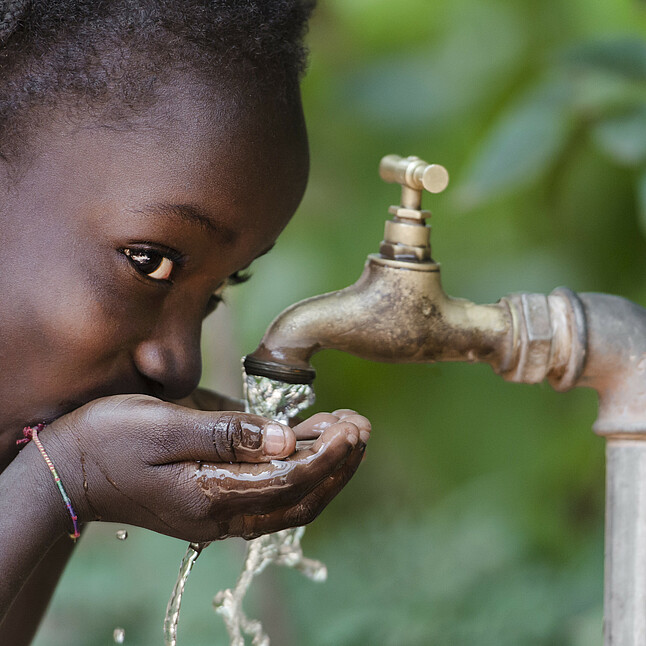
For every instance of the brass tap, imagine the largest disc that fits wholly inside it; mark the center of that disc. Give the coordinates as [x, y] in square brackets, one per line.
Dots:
[407, 236]
[397, 311]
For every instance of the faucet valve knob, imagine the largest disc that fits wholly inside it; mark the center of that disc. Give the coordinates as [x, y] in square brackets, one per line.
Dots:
[414, 173]
[407, 237]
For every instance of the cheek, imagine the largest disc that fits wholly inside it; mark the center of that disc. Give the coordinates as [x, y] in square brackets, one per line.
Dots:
[79, 311]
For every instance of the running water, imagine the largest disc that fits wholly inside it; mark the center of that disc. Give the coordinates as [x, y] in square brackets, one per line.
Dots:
[280, 401]
[281, 548]
[175, 602]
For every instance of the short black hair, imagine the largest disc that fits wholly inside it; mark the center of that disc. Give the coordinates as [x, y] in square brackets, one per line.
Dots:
[111, 56]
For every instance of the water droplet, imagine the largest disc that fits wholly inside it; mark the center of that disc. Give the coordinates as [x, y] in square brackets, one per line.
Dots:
[119, 634]
[122, 534]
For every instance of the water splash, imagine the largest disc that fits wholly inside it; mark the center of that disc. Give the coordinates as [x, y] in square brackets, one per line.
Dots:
[280, 401]
[281, 548]
[275, 399]
[119, 635]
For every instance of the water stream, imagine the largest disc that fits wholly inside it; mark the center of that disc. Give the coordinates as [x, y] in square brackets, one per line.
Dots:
[175, 603]
[280, 401]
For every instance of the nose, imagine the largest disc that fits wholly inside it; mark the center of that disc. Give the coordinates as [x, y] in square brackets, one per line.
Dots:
[170, 357]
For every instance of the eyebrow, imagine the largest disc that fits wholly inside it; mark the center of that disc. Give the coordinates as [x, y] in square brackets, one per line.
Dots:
[194, 215]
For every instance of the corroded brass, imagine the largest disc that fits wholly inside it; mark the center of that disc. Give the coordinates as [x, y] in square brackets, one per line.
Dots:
[396, 312]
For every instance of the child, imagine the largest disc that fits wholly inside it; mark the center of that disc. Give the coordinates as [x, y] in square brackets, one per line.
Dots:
[150, 150]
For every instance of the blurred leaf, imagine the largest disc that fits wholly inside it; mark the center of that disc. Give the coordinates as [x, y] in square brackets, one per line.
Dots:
[597, 93]
[441, 82]
[521, 146]
[457, 575]
[623, 137]
[624, 57]
[388, 26]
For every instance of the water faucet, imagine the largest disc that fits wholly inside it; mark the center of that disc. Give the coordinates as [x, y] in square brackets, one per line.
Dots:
[398, 312]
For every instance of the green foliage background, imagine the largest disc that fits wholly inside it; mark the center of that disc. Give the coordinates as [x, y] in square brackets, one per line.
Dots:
[477, 516]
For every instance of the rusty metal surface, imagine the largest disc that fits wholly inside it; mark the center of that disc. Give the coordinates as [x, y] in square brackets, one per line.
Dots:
[393, 313]
[549, 338]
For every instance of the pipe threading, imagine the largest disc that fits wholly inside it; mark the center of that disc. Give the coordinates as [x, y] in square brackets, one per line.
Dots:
[549, 338]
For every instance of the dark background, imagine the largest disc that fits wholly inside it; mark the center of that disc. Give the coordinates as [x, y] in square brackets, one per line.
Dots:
[477, 518]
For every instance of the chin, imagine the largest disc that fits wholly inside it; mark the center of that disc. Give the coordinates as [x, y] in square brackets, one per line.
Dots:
[47, 415]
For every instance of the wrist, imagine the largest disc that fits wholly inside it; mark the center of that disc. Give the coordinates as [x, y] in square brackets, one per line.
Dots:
[32, 520]
[29, 508]
[39, 485]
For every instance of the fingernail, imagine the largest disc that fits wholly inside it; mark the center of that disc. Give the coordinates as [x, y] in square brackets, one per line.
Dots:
[274, 434]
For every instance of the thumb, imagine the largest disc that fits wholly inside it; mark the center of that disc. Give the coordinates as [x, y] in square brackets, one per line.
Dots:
[229, 436]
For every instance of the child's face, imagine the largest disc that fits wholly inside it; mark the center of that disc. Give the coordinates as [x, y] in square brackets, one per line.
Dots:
[114, 241]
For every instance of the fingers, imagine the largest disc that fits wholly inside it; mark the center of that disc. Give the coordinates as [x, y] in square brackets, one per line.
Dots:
[179, 434]
[229, 436]
[260, 488]
[310, 506]
[311, 428]
[343, 412]
[362, 423]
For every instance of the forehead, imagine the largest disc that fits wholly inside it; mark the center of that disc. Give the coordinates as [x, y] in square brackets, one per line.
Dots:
[241, 159]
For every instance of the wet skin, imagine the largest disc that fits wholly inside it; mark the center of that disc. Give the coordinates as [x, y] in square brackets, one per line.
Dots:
[114, 242]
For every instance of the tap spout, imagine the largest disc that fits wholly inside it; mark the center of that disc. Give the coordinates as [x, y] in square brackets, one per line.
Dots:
[397, 312]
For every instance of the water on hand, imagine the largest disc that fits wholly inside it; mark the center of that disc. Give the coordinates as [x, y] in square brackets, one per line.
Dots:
[280, 401]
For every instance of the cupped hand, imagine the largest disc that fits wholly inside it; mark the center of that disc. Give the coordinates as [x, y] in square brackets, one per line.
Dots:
[201, 475]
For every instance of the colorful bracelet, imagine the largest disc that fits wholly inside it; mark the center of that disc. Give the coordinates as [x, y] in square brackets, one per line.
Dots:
[31, 433]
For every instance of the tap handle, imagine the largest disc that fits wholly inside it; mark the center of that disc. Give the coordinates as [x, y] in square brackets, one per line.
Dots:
[407, 236]
[414, 173]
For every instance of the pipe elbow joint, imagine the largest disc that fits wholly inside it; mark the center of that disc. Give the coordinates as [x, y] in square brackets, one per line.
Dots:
[616, 363]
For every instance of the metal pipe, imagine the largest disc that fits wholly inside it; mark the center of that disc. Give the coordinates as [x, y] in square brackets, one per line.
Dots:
[616, 369]
[398, 312]
[625, 552]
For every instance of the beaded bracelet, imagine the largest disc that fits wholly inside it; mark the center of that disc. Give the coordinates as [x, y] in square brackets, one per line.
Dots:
[31, 433]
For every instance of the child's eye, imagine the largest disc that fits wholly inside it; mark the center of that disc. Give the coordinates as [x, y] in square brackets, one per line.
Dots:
[152, 263]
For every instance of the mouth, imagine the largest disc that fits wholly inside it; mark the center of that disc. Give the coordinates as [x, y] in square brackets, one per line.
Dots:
[52, 415]
[49, 415]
